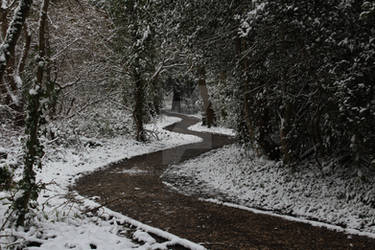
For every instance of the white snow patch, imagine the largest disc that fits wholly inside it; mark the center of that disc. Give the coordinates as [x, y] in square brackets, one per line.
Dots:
[143, 237]
[132, 171]
[234, 174]
[173, 139]
[81, 236]
[2, 58]
[217, 130]
[34, 91]
[60, 222]
[18, 81]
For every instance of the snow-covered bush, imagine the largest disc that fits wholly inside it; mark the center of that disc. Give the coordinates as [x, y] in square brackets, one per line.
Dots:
[306, 74]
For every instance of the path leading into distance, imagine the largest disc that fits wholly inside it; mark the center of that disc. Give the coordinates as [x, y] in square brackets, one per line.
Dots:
[137, 188]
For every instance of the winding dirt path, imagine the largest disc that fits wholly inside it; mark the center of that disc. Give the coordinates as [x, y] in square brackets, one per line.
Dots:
[143, 196]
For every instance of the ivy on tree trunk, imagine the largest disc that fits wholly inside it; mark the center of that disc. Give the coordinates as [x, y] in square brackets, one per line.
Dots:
[33, 148]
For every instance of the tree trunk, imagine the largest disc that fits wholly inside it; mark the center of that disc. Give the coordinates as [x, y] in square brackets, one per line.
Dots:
[157, 97]
[3, 92]
[52, 92]
[157, 103]
[13, 98]
[138, 113]
[285, 135]
[4, 26]
[263, 135]
[26, 49]
[20, 116]
[209, 114]
[33, 149]
[239, 46]
[4, 20]
[12, 34]
[176, 101]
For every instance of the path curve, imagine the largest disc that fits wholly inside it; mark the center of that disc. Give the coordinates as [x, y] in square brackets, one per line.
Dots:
[146, 199]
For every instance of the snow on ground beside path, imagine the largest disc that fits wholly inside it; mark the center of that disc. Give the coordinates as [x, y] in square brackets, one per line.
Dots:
[217, 130]
[328, 195]
[65, 219]
[83, 234]
[75, 163]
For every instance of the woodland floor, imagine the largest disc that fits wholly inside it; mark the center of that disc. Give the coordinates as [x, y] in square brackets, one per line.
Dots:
[134, 188]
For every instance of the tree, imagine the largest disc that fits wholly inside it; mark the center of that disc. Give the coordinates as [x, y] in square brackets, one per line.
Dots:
[307, 75]
[209, 118]
[34, 119]
[135, 42]
[205, 33]
[7, 51]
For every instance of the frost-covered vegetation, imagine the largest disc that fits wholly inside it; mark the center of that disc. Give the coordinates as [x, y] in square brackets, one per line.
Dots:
[60, 212]
[294, 79]
[331, 194]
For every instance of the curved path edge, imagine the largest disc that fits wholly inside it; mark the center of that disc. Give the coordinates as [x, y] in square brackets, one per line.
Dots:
[139, 192]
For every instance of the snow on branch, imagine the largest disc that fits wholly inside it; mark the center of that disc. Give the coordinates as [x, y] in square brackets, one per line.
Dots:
[13, 33]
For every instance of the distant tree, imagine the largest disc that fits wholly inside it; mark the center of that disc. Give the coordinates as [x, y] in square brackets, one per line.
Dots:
[134, 42]
[209, 118]
[176, 94]
[198, 37]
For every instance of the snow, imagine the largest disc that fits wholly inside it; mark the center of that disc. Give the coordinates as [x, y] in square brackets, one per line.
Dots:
[81, 236]
[66, 220]
[18, 81]
[234, 176]
[133, 171]
[34, 91]
[112, 150]
[173, 239]
[144, 237]
[217, 130]
[4, 4]
[198, 127]
[332, 195]
[2, 57]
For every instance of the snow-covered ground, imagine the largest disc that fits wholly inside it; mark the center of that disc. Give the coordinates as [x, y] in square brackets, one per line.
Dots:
[332, 194]
[64, 219]
[217, 130]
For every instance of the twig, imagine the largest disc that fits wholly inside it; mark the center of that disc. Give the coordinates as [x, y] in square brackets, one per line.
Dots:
[6, 221]
[63, 49]
[153, 133]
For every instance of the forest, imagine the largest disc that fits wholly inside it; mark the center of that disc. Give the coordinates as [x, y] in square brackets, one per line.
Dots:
[294, 80]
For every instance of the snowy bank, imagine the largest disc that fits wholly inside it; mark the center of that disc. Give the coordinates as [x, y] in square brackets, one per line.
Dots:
[329, 195]
[64, 219]
[217, 130]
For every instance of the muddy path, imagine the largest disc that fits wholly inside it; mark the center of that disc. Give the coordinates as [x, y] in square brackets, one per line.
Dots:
[139, 193]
